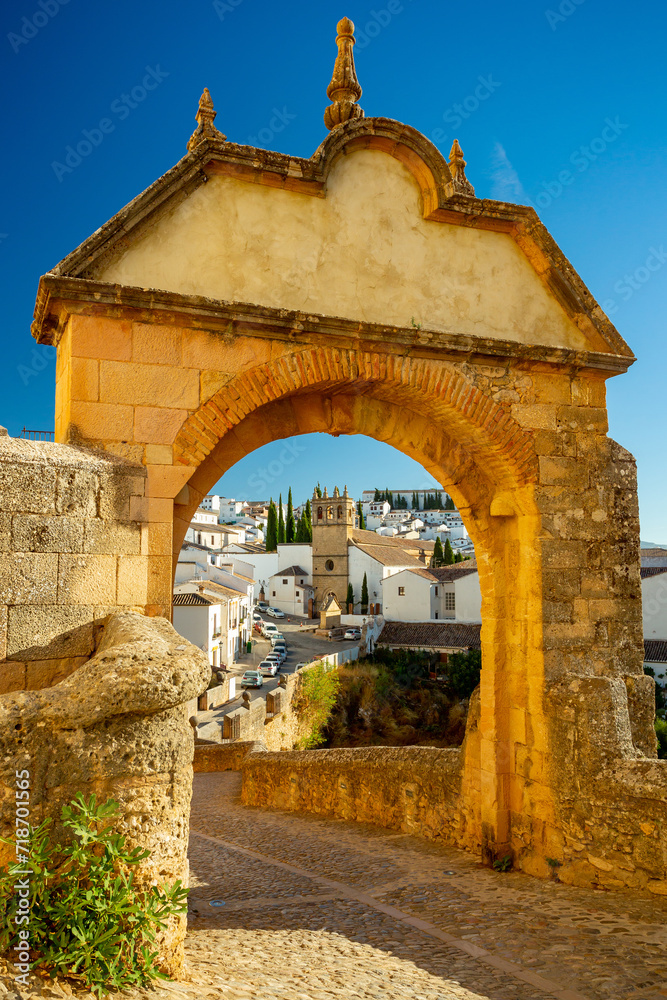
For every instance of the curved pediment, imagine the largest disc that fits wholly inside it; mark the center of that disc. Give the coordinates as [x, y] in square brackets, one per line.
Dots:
[369, 229]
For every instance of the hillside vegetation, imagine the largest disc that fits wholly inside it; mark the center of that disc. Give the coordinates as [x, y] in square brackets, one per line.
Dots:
[393, 700]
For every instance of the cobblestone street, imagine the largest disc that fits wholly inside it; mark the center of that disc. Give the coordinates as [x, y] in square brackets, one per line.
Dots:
[289, 907]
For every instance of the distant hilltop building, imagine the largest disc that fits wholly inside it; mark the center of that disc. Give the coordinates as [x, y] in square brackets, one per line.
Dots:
[408, 496]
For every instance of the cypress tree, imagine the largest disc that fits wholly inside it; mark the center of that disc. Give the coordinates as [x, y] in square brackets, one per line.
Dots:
[449, 504]
[290, 527]
[272, 528]
[458, 558]
[377, 494]
[349, 600]
[318, 490]
[308, 523]
[362, 519]
[438, 554]
[449, 553]
[364, 595]
[281, 521]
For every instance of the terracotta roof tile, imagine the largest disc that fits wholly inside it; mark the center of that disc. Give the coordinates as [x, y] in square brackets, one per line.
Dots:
[436, 635]
[647, 571]
[655, 650]
[189, 600]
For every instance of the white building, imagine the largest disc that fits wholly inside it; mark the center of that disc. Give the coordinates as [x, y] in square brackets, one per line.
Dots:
[224, 630]
[447, 593]
[654, 601]
[291, 590]
[211, 502]
[378, 558]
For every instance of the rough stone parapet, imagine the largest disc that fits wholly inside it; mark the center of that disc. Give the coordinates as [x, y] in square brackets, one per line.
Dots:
[117, 727]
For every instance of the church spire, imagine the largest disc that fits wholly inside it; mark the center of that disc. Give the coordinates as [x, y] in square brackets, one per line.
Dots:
[344, 89]
[205, 128]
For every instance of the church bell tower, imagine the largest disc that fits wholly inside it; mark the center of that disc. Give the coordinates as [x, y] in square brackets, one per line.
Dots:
[334, 520]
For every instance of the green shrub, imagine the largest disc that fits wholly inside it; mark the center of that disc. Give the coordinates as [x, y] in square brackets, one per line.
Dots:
[88, 919]
[463, 672]
[313, 703]
[661, 733]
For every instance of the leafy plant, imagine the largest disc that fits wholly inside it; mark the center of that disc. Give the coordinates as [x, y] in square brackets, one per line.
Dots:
[313, 703]
[661, 733]
[463, 672]
[554, 864]
[89, 920]
[503, 864]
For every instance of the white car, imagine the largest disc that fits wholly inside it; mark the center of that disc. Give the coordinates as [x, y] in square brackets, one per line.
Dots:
[353, 633]
[277, 637]
[268, 668]
[275, 613]
[256, 617]
[269, 629]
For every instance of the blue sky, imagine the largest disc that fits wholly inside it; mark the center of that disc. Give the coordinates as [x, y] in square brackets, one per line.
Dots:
[572, 121]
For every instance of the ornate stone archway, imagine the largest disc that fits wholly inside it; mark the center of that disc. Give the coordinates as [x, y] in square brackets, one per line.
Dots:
[250, 296]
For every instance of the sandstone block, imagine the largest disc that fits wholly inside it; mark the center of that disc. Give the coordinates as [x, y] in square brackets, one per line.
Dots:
[158, 454]
[6, 533]
[103, 421]
[29, 488]
[45, 673]
[28, 577]
[145, 385]
[565, 471]
[117, 488]
[158, 424]
[109, 537]
[132, 586]
[48, 632]
[87, 579]
[157, 344]
[12, 676]
[84, 379]
[100, 337]
[34, 533]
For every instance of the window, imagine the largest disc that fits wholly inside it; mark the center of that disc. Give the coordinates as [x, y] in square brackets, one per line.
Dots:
[199, 538]
[436, 591]
[319, 513]
[284, 583]
[436, 614]
[340, 513]
[212, 539]
[329, 565]
[301, 582]
[273, 593]
[298, 594]
[450, 601]
[401, 591]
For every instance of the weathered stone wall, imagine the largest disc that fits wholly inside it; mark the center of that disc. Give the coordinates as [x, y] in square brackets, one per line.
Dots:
[73, 548]
[117, 726]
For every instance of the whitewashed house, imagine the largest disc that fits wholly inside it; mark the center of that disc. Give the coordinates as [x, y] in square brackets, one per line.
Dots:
[291, 590]
[448, 593]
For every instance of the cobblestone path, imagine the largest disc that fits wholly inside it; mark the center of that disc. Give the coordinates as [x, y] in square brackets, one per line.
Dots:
[312, 909]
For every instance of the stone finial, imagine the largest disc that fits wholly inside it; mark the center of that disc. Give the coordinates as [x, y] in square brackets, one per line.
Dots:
[205, 117]
[336, 492]
[325, 495]
[457, 166]
[344, 89]
[345, 493]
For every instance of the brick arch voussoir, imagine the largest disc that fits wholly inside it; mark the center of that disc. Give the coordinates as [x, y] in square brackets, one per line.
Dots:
[437, 389]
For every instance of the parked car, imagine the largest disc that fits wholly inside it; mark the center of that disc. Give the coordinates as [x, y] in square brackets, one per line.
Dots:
[280, 647]
[261, 606]
[252, 679]
[256, 617]
[277, 637]
[258, 626]
[268, 668]
[276, 654]
[275, 612]
[353, 633]
[300, 665]
[268, 628]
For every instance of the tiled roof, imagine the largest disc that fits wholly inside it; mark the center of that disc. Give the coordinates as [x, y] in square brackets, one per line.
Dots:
[649, 553]
[219, 590]
[387, 554]
[447, 574]
[189, 600]
[432, 635]
[647, 571]
[291, 571]
[655, 650]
